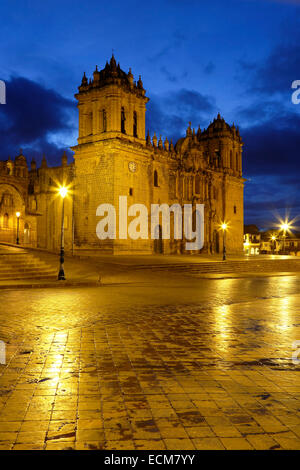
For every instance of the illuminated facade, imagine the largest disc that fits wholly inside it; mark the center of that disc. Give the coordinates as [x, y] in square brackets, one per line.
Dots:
[114, 157]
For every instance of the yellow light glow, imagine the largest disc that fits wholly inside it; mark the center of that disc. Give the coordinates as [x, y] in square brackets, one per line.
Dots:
[18, 214]
[224, 226]
[285, 226]
[273, 238]
[63, 191]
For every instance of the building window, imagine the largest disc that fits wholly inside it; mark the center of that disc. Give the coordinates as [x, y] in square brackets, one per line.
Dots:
[123, 119]
[234, 209]
[231, 160]
[130, 191]
[155, 179]
[197, 184]
[135, 124]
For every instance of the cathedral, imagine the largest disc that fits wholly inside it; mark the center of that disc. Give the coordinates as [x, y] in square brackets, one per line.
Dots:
[114, 157]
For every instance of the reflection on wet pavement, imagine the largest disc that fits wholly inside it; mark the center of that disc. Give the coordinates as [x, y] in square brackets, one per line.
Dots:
[193, 365]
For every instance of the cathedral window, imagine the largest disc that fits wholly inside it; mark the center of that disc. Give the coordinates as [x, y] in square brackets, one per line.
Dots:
[155, 178]
[237, 160]
[123, 119]
[218, 158]
[197, 184]
[231, 160]
[234, 209]
[130, 191]
[135, 124]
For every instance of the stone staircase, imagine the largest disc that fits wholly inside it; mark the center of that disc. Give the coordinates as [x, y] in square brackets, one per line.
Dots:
[226, 267]
[19, 264]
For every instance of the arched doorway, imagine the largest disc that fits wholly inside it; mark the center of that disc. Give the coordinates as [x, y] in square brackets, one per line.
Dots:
[26, 234]
[158, 241]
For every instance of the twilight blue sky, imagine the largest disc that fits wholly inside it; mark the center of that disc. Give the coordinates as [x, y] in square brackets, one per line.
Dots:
[196, 58]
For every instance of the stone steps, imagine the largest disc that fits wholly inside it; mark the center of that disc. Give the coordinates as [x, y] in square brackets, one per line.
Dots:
[220, 267]
[17, 265]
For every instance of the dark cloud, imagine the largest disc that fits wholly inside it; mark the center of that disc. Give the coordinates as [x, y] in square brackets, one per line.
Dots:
[275, 74]
[170, 77]
[169, 114]
[271, 149]
[176, 41]
[32, 116]
[209, 68]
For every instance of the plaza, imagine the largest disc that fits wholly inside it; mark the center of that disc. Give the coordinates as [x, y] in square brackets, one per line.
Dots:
[151, 359]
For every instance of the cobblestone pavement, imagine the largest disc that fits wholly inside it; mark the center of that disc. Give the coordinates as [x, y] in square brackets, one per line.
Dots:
[197, 365]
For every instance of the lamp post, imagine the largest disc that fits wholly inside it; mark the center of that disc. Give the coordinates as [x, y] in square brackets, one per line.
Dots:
[224, 227]
[273, 238]
[61, 275]
[18, 226]
[284, 227]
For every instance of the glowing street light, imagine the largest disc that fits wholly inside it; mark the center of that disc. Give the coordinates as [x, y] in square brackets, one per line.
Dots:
[18, 214]
[61, 275]
[63, 191]
[285, 227]
[273, 239]
[224, 227]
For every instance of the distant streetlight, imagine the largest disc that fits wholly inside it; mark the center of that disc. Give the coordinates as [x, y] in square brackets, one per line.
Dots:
[284, 227]
[18, 226]
[273, 238]
[224, 227]
[61, 275]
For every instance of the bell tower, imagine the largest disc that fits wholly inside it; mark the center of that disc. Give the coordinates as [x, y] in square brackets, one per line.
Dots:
[111, 156]
[111, 104]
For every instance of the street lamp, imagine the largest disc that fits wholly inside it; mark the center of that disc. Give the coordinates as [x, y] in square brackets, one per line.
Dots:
[61, 275]
[273, 238]
[18, 226]
[284, 227]
[224, 227]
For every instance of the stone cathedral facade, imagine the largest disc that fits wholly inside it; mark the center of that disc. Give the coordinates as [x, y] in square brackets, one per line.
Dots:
[114, 157]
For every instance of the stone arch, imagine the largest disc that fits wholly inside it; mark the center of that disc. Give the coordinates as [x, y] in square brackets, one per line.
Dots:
[11, 201]
[18, 200]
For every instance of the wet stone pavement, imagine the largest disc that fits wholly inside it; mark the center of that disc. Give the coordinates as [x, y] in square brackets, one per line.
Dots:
[202, 365]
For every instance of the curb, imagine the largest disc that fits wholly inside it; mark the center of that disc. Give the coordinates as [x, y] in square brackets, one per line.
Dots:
[54, 284]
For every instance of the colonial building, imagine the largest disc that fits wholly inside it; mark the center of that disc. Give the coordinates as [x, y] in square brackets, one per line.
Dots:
[114, 157]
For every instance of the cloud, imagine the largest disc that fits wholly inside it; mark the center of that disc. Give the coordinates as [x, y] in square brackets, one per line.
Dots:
[209, 68]
[271, 148]
[176, 41]
[169, 114]
[32, 116]
[275, 74]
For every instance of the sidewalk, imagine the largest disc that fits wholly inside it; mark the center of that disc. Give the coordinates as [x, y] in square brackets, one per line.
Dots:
[125, 269]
